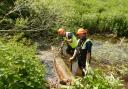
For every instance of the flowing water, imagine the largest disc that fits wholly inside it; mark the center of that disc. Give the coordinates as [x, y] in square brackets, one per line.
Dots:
[114, 56]
[47, 58]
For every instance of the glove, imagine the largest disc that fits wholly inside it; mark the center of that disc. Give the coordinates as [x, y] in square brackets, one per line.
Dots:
[70, 59]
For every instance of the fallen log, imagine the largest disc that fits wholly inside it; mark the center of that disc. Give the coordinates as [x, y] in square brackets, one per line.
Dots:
[62, 70]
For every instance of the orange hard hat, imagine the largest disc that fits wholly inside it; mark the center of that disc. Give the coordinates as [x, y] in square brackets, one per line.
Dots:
[60, 31]
[81, 31]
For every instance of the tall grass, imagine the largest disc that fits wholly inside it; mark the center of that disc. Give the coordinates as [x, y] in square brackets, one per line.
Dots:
[95, 15]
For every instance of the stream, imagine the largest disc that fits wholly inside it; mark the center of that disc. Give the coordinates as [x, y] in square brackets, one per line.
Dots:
[105, 53]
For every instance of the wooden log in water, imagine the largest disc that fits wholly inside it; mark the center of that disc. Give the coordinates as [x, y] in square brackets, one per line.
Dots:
[63, 71]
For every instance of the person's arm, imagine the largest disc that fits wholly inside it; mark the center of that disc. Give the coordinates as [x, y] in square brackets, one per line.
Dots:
[74, 55]
[69, 40]
[89, 47]
[89, 57]
[76, 51]
[62, 44]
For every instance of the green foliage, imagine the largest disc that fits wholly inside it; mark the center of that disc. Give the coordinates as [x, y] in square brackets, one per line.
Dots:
[99, 16]
[27, 15]
[21, 23]
[19, 67]
[96, 15]
[97, 80]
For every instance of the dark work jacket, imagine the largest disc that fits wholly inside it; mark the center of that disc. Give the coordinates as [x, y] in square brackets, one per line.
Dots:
[82, 53]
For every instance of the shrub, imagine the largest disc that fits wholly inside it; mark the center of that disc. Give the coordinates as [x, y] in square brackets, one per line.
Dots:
[32, 15]
[19, 67]
[97, 80]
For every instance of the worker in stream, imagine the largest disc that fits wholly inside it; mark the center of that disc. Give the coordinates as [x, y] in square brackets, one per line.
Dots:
[82, 52]
[68, 38]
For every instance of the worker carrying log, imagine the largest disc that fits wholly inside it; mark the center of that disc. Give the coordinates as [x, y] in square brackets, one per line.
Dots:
[69, 39]
[82, 52]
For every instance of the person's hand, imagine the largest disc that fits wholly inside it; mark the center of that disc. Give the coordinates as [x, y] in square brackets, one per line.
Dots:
[69, 41]
[70, 59]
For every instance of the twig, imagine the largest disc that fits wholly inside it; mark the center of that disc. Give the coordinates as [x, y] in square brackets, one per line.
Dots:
[121, 41]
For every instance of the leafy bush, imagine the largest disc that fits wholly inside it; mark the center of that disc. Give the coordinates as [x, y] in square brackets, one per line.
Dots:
[97, 80]
[32, 15]
[19, 67]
